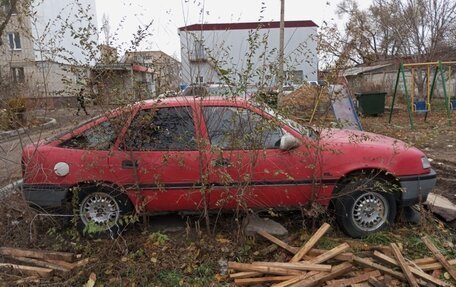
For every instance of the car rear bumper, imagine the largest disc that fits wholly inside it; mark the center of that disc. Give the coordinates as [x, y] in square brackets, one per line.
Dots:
[45, 195]
[416, 188]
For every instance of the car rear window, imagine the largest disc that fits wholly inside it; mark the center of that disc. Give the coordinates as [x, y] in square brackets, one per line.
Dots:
[99, 137]
[161, 129]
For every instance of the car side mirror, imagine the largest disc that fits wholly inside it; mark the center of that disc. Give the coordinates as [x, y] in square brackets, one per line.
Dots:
[288, 142]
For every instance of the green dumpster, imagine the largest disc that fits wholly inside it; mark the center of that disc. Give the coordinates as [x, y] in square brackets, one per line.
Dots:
[371, 103]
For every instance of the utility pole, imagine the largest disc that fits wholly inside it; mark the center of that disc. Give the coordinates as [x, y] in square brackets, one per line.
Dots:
[280, 73]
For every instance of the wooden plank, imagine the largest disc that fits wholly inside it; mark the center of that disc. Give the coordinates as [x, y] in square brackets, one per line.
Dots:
[403, 265]
[322, 277]
[279, 242]
[435, 266]
[30, 270]
[346, 256]
[416, 271]
[376, 283]
[262, 269]
[311, 242]
[40, 263]
[331, 253]
[305, 266]
[247, 274]
[439, 256]
[82, 262]
[64, 264]
[425, 260]
[273, 247]
[369, 263]
[38, 254]
[253, 281]
[358, 279]
[296, 279]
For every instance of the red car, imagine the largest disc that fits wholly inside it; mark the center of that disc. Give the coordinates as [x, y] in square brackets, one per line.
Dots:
[184, 154]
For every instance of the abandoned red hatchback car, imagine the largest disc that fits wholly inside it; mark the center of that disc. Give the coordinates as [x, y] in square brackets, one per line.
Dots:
[184, 154]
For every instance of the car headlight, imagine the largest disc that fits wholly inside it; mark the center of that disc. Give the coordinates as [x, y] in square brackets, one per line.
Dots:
[425, 162]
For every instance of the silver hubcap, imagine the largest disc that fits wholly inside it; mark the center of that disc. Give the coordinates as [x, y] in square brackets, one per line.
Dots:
[370, 211]
[99, 208]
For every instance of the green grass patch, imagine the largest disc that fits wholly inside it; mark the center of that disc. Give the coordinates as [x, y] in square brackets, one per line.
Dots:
[378, 238]
[170, 278]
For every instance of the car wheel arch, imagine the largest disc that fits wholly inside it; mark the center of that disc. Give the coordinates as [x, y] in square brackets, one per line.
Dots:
[94, 186]
[377, 172]
[374, 187]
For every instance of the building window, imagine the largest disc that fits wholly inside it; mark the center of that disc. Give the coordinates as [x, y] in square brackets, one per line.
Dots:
[198, 53]
[199, 79]
[18, 74]
[295, 76]
[14, 40]
[6, 7]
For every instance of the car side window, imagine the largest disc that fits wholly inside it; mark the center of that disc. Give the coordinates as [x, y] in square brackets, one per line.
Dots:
[161, 129]
[99, 137]
[237, 128]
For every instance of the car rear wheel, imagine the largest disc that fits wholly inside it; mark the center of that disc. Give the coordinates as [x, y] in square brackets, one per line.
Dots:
[101, 211]
[365, 206]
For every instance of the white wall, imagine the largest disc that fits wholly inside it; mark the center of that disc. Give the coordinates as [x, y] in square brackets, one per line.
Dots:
[231, 49]
[48, 34]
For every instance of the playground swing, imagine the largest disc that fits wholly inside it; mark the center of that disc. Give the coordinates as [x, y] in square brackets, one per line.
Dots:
[420, 106]
[424, 106]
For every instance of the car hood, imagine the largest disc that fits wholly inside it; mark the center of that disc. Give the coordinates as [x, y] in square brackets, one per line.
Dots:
[346, 150]
[366, 139]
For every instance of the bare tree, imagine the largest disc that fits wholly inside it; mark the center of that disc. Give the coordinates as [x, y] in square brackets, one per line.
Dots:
[418, 29]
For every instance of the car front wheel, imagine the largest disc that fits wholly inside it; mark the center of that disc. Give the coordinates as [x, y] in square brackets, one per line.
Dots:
[101, 211]
[364, 207]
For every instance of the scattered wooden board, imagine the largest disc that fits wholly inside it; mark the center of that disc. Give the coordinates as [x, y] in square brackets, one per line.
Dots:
[403, 265]
[311, 242]
[439, 256]
[253, 281]
[353, 280]
[30, 270]
[38, 254]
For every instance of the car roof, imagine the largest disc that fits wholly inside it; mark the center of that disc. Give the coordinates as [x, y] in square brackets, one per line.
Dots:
[182, 100]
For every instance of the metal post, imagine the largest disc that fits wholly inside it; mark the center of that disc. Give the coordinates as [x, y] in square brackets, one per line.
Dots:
[432, 89]
[394, 94]
[407, 99]
[447, 102]
[281, 48]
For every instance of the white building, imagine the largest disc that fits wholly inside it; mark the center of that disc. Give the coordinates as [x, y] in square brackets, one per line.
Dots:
[212, 52]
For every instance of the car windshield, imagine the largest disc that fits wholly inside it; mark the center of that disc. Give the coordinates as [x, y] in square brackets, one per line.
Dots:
[304, 130]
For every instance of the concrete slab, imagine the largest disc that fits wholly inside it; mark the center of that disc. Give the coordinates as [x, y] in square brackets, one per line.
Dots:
[442, 206]
[253, 224]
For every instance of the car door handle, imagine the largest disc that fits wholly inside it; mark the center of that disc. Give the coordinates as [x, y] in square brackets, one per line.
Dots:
[128, 164]
[220, 162]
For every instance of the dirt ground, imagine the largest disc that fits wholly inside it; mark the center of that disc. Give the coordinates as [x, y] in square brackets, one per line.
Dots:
[188, 255]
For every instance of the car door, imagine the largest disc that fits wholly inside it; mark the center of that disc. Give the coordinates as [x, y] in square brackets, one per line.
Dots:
[247, 168]
[158, 161]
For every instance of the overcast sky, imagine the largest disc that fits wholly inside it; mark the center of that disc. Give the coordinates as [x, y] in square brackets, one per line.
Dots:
[169, 15]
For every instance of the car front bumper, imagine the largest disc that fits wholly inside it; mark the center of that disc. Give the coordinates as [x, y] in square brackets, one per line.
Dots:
[416, 188]
[45, 195]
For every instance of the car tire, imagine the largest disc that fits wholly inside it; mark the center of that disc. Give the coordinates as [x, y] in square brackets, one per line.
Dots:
[364, 206]
[100, 212]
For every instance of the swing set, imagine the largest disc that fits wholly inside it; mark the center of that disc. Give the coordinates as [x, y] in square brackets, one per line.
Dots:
[424, 105]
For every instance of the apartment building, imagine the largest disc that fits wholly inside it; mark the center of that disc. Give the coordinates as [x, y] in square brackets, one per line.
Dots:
[40, 59]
